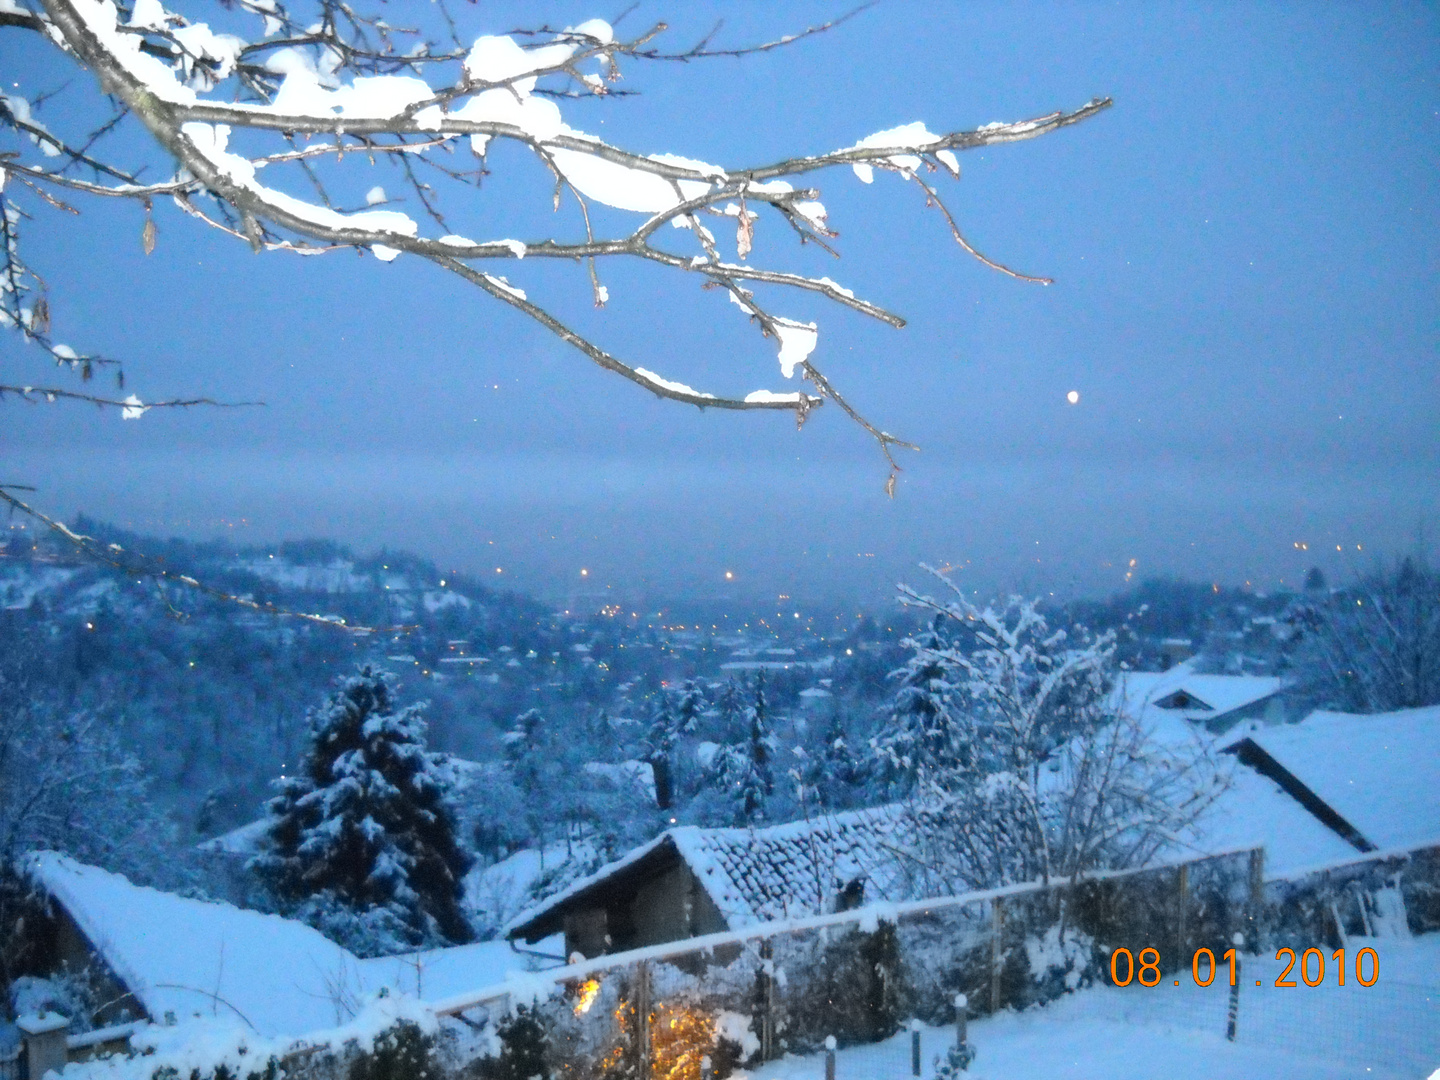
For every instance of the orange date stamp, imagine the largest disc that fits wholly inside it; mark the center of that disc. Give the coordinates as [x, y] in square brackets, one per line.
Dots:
[1310, 965]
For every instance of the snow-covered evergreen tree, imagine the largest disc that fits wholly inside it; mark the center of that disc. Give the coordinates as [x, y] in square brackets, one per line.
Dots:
[363, 841]
[730, 704]
[831, 772]
[922, 737]
[531, 754]
[669, 722]
[744, 767]
[658, 745]
[691, 706]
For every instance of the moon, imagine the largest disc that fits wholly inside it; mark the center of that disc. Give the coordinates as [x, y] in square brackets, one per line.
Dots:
[1073, 397]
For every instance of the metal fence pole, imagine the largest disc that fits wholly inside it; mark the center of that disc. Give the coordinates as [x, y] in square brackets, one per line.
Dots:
[914, 1047]
[962, 1008]
[1234, 1012]
[829, 1057]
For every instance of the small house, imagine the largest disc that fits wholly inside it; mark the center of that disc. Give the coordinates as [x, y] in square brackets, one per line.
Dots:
[692, 881]
[1218, 702]
[165, 958]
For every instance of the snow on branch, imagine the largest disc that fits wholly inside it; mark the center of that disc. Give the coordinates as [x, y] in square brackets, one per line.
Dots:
[353, 86]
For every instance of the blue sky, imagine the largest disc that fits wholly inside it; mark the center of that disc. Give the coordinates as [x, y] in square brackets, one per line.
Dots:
[1245, 263]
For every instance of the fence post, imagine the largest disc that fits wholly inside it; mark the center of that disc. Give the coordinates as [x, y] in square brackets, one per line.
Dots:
[1257, 886]
[767, 1000]
[1183, 901]
[829, 1057]
[642, 1021]
[997, 927]
[914, 1047]
[45, 1048]
[1234, 1012]
[962, 1008]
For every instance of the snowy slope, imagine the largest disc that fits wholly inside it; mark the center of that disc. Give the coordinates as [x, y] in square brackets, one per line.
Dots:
[441, 973]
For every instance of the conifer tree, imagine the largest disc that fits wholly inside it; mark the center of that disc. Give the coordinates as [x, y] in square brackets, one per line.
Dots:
[669, 721]
[660, 738]
[363, 841]
[921, 737]
[831, 772]
[692, 704]
[731, 705]
[532, 757]
[745, 766]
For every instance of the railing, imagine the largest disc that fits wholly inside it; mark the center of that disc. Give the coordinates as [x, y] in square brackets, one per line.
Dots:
[855, 976]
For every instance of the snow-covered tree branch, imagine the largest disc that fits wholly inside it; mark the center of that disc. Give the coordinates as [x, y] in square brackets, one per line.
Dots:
[1021, 759]
[247, 116]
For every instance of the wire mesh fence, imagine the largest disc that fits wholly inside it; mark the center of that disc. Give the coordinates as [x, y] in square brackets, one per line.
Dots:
[853, 979]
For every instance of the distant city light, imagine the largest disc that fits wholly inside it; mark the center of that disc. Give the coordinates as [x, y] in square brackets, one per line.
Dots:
[1073, 397]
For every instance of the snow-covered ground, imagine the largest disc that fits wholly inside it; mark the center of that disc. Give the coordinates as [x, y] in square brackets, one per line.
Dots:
[1385, 1032]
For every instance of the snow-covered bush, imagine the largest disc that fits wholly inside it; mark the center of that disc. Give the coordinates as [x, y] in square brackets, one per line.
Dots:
[1061, 959]
[1052, 777]
[393, 1037]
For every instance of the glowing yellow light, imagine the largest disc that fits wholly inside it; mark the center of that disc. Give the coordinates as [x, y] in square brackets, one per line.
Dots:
[584, 572]
[1073, 397]
[729, 575]
[589, 991]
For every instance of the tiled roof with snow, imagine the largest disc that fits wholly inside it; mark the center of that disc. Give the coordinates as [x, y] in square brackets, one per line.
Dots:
[796, 869]
[778, 871]
[1380, 772]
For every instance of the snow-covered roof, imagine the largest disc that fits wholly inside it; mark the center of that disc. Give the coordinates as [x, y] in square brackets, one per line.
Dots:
[281, 977]
[1380, 772]
[199, 958]
[760, 874]
[1255, 812]
[1150, 694]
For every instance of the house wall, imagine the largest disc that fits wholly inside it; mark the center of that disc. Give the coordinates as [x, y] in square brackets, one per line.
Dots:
[587, 931]
[671, 906]
[661, 910]
[76, 954]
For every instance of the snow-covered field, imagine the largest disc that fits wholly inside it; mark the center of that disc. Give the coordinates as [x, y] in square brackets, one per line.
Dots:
[1388, 1031]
